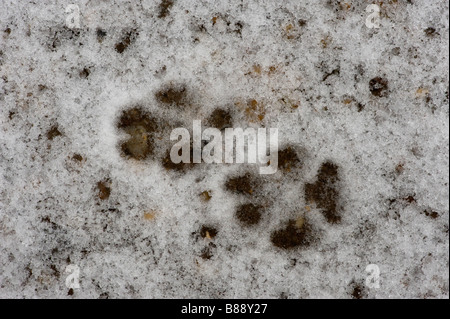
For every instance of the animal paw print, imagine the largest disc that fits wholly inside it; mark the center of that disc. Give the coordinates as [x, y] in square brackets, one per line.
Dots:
[148, 133]
[146, 141]
[324, 193]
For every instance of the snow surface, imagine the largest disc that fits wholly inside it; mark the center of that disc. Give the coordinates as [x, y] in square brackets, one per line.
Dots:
[309, 65]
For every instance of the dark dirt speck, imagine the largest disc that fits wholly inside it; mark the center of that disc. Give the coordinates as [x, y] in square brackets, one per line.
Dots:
[53, 132]
[101, 34]
[431, 214]
[291, 236]
[126, 41]
[288, 159]
[104, 191]
[243, 185]
[164, 8]
[430, 31]
[378, 87]
[140, 126]
[77, 157]
[84, 73]
[358, 292]
[172, 95]
[249, 214]
[208, 232]
[220, 119]
[324, 192]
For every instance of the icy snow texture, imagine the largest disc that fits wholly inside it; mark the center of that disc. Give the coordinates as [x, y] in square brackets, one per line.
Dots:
[309, 66]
